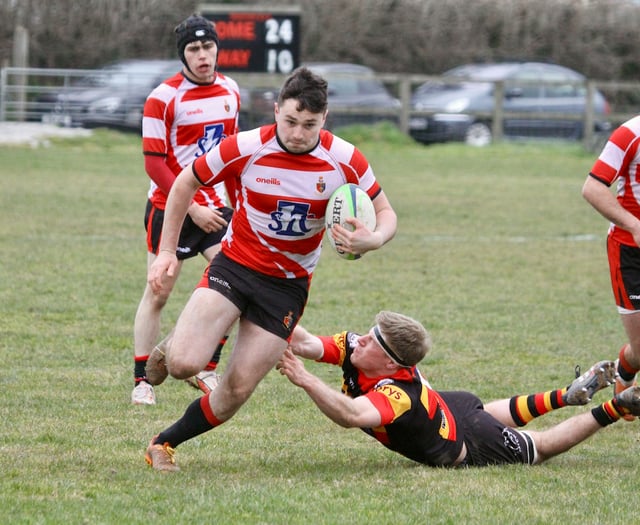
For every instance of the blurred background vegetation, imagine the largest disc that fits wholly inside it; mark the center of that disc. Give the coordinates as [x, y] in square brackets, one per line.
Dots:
[599, 38]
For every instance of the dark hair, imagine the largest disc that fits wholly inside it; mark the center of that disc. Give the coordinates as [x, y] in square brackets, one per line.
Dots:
[309, 89]
[193, 29]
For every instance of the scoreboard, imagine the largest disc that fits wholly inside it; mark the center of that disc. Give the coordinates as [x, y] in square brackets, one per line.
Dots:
[256, 39]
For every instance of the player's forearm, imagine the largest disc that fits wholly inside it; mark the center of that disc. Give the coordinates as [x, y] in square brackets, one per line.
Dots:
[178, 202]
[386, 218]
[387, 224]
[305, 344]
[335, 405]
[600, 197]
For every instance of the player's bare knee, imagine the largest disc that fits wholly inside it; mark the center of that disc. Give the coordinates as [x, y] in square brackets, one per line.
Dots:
[160, 300]
[182, 369]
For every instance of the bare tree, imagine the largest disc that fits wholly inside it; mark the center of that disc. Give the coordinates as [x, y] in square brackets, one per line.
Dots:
[67, 33]
[597, 37]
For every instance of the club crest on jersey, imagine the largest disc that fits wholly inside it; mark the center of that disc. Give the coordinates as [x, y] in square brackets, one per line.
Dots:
[288, 320]
[321, 185]
[227, 106]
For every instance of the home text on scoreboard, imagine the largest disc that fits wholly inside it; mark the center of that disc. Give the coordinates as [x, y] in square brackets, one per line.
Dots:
[256, 39]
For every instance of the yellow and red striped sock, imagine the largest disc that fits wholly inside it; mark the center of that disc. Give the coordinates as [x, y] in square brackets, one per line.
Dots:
[608, 412]
[525, 408]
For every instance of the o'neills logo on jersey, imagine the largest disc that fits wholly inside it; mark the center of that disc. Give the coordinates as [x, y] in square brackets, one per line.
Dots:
[273, 181]
[198, 111]
[321, 185]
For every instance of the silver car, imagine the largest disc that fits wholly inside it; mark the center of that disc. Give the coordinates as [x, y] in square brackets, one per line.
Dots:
[459, 107]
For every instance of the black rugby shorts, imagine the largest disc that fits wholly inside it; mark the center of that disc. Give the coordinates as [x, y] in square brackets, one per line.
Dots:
[273, 303]
[193, 240]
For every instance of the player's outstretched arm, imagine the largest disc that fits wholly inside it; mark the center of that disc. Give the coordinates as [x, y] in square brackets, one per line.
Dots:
[347, 412]
[304, 344]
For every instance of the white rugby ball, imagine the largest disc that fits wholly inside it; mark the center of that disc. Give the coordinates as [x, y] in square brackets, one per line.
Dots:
[348, 201]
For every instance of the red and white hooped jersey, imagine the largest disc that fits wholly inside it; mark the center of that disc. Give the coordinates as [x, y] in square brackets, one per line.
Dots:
[620, 160]
[183, 121]
[278, 223]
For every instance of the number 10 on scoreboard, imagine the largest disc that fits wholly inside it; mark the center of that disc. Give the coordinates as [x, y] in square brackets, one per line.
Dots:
[260, 39]
[279, 33]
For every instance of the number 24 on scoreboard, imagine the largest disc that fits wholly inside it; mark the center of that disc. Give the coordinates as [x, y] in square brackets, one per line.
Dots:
[256, 39]
[278, 32]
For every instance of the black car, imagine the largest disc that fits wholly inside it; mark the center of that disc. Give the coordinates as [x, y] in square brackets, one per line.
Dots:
[356, 96]
[459, 106]
[113, 96]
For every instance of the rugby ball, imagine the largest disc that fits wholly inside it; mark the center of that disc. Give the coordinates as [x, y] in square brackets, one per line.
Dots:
[348, 201]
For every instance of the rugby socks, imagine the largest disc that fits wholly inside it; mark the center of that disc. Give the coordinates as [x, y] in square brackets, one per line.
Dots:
[625, 371]
[608, 412]
[215, 359]
[197, 419]
[139, 368]
[528, 407]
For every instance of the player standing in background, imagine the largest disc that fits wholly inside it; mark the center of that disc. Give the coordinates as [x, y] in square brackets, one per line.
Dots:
[285, 174]
[619, 162]
[184, 117]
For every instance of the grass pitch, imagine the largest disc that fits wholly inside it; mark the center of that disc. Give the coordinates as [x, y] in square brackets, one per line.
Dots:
[496, 252]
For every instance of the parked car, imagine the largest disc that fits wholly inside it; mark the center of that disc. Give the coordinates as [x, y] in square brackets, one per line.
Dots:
[530, 88]
[256, 106]
[112, 96]
[356, 96]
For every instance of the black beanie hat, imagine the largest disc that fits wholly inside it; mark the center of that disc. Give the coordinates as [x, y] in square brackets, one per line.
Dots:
[193, 29]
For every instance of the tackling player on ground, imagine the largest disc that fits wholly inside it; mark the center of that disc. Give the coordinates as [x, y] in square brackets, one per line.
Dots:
[386, 397]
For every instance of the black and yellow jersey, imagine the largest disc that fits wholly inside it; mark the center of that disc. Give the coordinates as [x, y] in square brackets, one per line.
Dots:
[415, 420]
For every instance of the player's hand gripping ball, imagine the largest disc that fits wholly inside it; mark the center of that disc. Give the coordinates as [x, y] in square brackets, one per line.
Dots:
[348, 201]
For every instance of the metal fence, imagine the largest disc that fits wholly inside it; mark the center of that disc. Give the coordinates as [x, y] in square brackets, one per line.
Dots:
[32, 94]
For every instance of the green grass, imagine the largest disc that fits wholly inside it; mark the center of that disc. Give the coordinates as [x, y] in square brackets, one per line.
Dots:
[496, 252]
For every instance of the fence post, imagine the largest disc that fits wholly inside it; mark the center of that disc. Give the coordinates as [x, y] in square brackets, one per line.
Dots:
[405, 99]
[21, 60]
[589, 117]
[3, 93]
[497, 125]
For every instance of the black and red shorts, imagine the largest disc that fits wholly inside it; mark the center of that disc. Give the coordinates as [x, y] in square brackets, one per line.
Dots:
[624, 268]
[193, 240]
[273, 303]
